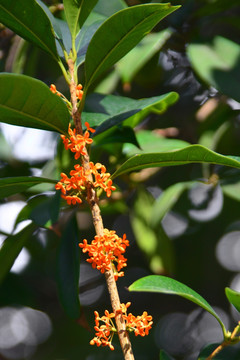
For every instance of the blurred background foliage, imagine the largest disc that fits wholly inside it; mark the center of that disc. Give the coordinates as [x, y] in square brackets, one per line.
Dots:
[182, 222]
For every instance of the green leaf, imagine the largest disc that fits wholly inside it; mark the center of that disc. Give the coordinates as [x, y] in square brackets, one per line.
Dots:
[167, 200]
[233, 297]
[106, 111]
[188, 155]
[150, 141]
[218, 65]
[154, 243]
[42, 209]
[123, 134]
[28, 20]
[165, 285]
[12, 247]
[77, 12]
[108, 8]
[68, 265]
[119, 34]
[164, 356]
[28, 102]
[14, 185]
[131, 63]
[84, 39]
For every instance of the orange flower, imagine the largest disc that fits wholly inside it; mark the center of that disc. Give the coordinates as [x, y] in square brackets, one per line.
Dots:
[76, 142]
[139, 324]
[104, 333]
[106, 251]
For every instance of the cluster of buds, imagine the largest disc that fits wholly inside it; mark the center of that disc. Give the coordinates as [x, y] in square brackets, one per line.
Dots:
[106, 252]
[79, 92]
[140, 325]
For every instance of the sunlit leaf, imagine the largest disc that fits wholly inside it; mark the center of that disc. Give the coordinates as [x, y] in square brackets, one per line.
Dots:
[21, 18]
[28, 102]
[119, 34]
[165, 285]
[151, 141]
[14, 185]
[76, 12]
[188, 155]
[233, 297]
[218, 65]
[12, 247]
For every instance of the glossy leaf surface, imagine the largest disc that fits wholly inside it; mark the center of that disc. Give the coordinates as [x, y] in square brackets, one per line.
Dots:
[188, 155]
[119, 34]
[165, 285]
[233, 297]
[68, 265]
[21, 18]
[28, 102]
[218, 65]
[106, 111]
[14, 185]
[12, 247]
[77, 11]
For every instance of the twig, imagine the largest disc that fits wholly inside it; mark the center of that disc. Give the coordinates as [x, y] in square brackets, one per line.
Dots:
[98, 224]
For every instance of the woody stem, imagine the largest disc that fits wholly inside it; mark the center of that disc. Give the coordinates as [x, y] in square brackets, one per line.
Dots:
[93, 202]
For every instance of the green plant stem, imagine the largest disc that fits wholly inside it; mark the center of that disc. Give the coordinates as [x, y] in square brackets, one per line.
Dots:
[93, 202]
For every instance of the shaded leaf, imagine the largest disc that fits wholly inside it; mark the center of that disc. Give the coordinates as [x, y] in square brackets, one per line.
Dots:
[14, 185]
[167, 200]
[68, 266]
[12, 247]
[106, 111]
[225, 354]
[165, 285]
[154, 243]
[218, 65]
[123, 134]
[164, 356]
[233, 297]
[119, 34]
[42, 209]
[28, 102]
[21, 18]
[131, 63]
[77, 12]
[188, 155]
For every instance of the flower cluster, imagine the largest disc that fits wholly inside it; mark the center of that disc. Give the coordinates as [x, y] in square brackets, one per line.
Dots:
[72, 188]
[140, 324]
[77, 142]
[104, 332]
[106, 252]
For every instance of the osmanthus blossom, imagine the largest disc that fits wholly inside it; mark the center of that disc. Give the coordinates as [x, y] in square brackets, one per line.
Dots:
[106, 252]
[105, 328]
